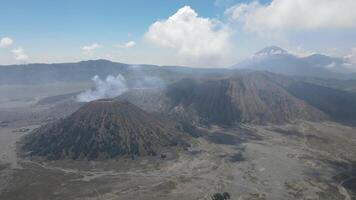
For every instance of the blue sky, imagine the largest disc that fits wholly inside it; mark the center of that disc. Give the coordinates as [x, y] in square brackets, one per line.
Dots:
[60, 31]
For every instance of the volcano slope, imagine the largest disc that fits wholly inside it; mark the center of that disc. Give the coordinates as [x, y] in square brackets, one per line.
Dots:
[254, 97]
[248, 99]
[245, 98]
[103, 129]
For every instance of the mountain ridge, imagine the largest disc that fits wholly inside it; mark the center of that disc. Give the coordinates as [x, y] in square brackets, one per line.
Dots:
[255, 97]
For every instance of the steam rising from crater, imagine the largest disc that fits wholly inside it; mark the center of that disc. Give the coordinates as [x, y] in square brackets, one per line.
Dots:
[110, 87]
[113, 86]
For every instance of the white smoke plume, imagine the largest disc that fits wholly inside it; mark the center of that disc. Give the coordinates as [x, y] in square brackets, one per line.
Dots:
[143, 80]
[110, 87]
[149, 82]
[113, 86]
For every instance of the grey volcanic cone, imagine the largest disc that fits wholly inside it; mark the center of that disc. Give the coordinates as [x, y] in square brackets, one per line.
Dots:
[103, 129]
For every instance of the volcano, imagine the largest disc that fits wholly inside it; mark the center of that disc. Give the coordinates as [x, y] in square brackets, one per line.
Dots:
[104, 129]
[251, 97]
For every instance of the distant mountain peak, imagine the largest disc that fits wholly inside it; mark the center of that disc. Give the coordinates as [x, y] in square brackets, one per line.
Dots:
[271, 50]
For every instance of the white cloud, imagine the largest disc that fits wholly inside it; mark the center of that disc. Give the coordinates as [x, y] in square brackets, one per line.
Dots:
[191, 36]
[351, 59]
[5, 42]
[20, 54]
[300, 51]
[89, 49]
[287, 15]
[128, 44]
